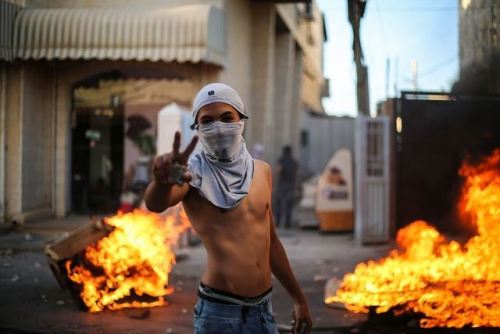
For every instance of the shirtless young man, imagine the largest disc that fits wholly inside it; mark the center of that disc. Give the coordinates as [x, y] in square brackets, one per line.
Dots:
[227, 197]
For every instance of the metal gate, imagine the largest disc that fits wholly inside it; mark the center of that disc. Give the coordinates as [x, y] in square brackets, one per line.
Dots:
[372, 176]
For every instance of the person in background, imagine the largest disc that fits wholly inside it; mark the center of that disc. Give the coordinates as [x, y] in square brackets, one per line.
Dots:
[258, 151]
[287, 170]
[226, 194]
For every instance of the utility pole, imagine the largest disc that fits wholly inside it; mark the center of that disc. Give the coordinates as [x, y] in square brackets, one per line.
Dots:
[356, 10]
[387, 76]
[414, 74]
[396, 70]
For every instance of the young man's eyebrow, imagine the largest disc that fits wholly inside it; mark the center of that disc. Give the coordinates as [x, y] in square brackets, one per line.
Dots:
[226, 113]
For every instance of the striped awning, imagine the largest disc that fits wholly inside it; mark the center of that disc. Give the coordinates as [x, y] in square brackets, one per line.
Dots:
[194, 33]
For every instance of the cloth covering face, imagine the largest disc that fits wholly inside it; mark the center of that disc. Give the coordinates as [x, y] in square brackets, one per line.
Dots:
[221, 140]
[222, 183]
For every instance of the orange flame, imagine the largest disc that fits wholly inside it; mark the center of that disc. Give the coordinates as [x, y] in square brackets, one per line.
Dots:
[452, 285]
[134, 260]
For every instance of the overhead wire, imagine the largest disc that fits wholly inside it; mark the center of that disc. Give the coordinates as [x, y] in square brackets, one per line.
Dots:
[434, 68]
[438, 66]
[413, 9]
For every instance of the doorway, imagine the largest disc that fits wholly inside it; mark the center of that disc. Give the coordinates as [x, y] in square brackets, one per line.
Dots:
[97, 159]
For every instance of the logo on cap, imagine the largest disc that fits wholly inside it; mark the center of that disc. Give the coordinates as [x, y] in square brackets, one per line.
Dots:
[211, 92]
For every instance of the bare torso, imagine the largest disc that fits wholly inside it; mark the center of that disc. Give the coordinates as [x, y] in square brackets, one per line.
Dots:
[237, 240]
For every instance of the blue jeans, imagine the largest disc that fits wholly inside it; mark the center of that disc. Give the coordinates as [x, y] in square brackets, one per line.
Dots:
[217, 318]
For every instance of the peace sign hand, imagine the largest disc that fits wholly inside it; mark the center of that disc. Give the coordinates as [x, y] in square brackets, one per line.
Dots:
[171, 168]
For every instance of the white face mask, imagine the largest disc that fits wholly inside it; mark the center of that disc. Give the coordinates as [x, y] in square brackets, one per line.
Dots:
[221, 140]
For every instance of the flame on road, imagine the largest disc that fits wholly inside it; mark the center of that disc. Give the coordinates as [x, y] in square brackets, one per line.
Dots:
[129, 267]
[452, 285]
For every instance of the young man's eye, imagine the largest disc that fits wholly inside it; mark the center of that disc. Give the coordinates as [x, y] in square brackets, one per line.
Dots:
[206, 120]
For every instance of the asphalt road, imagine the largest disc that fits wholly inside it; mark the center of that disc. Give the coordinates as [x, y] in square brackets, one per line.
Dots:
[33, 302]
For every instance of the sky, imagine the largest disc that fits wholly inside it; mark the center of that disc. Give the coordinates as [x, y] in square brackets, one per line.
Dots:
[425, 31]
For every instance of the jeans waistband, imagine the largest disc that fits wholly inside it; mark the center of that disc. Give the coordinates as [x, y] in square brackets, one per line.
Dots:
[219, 296]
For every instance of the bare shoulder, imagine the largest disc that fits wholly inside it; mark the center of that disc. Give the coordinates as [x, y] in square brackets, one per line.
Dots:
[262, 166]
[264, 169]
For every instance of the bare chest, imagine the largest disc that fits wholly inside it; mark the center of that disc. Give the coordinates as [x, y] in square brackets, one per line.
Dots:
[254, 208]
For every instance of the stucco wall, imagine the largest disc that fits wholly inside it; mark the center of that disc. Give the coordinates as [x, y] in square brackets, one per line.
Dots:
[325, 135]
[239, 53]
[284, 62]
[479, 28]
[26, 138]
[37, 137]
[3, 91]
[13, 164]
[297, 105]
[261, 129]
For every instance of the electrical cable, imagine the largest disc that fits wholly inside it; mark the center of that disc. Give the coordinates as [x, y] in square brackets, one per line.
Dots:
[438, 66]
[412, 9]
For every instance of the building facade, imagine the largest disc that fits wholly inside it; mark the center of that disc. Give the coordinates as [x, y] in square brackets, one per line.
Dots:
[82, 83]
[479, 45]
[479, 30]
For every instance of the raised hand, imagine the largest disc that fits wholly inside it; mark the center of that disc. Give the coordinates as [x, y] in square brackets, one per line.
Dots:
[170, 168]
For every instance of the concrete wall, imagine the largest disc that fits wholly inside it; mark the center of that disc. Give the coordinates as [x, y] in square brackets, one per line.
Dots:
[3, 92]
[37, 138]
[289, 13]
[12, 127]
[308, 34]
[261, 128]
[283, 88]
[298, 107]
[479, 31]
[27, 139]
[238, 70]
[313, 33]
[324, 136]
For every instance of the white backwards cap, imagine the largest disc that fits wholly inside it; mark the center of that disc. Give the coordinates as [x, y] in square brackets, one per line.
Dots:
[217, 92]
